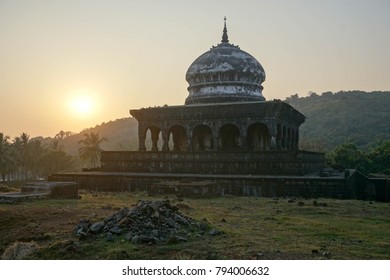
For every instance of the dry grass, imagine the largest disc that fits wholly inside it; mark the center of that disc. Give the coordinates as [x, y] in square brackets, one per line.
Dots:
[254, 228]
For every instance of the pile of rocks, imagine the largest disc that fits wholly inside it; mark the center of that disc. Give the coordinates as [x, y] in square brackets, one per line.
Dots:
[147, 222]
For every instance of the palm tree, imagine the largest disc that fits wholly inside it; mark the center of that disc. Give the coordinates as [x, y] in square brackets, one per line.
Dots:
[5, 156]
[91, 151]
[22, 143]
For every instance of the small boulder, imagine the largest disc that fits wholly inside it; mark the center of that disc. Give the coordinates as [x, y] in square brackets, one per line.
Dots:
[214, 232]
[96, 227]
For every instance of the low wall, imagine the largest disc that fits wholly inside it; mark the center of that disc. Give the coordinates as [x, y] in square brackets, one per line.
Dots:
[212, 185]
[260, 163]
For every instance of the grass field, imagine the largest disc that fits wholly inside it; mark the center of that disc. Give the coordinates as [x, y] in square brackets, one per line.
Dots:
[254, 228]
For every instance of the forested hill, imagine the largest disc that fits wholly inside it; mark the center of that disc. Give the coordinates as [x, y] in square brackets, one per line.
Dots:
[121, 134]
[332, 118]
[362, 118]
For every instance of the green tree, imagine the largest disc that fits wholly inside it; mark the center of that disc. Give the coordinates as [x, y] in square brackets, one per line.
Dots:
[380, 158]
[35, 152]
[5, 156]
[90, 151]
[55, 160]
[348, 155]
[22, 150]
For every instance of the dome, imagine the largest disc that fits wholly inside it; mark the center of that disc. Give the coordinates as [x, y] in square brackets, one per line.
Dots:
[225, 73]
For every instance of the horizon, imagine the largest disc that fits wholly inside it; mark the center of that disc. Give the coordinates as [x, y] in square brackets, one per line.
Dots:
[71, 65]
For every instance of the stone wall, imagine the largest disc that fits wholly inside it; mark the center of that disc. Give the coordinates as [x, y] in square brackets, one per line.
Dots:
[262, 163]
[212, 185]
[353, 186]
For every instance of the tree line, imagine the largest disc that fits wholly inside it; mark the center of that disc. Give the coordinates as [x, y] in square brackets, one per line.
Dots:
[25, 159]
[349, 155]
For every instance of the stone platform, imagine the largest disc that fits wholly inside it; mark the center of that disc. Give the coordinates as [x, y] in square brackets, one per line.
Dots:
[18, 196]
[43, 189]
[291, 163]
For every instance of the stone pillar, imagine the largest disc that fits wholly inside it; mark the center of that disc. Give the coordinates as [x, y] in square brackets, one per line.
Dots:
[216, 144]
[141, 138]
[189, 140]
[283, 137]
[155, 133]
[288, 141]
[273, 143]
[165, 137]
[243, 142]
[273, 135]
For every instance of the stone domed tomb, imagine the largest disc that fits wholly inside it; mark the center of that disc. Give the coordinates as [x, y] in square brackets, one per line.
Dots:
[225, 126]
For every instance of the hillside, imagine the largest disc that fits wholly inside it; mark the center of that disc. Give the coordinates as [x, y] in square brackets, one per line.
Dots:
[334, 118]
[122, 134]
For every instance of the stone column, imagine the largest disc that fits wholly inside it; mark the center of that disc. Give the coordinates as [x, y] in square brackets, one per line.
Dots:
[215, 143]
[141, 138]
[243, 142]
[273, 135]
[155, 133]
[189, 140]
[165, 137]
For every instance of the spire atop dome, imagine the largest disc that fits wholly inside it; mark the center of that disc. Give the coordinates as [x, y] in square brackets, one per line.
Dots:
[225, 38]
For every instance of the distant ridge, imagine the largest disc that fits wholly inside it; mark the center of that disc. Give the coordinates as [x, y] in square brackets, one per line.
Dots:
[359, 117]
[122, 134]
[362, 118]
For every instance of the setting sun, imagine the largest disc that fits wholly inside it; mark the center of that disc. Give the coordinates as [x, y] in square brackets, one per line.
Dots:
[82, 104]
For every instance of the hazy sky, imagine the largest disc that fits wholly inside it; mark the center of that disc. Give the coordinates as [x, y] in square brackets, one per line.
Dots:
[124, 54]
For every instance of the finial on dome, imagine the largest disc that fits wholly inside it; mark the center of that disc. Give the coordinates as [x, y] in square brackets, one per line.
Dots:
[225, 38]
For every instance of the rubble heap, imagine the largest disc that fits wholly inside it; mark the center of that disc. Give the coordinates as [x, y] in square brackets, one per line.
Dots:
[148, 221]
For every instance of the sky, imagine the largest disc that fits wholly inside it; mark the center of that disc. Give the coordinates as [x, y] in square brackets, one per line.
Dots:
[72, 64]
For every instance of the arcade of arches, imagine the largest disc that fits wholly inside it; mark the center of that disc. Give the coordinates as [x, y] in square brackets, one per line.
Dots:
[227, 137]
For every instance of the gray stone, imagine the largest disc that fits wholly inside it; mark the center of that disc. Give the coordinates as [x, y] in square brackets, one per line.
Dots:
[128, 236]
[180, 219]
[327, 255]
[214, 232]
[171, 222]
[115, 230]
[110, 237]
[259, 256]
[96, 227]
[154, 233]
[182, 239]
[148, 239]
[135, 239]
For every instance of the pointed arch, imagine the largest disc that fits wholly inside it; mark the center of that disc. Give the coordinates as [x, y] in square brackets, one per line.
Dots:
[153, 134]
[202, 138]
[229, 135]
[258, 138]
[177, 138]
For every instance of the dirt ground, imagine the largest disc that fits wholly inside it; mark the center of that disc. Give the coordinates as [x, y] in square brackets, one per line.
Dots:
[263, 228]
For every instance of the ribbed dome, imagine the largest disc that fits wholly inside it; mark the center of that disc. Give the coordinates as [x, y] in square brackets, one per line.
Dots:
[225, 74]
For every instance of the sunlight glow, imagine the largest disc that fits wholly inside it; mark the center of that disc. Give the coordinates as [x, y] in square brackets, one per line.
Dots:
[82, 105]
